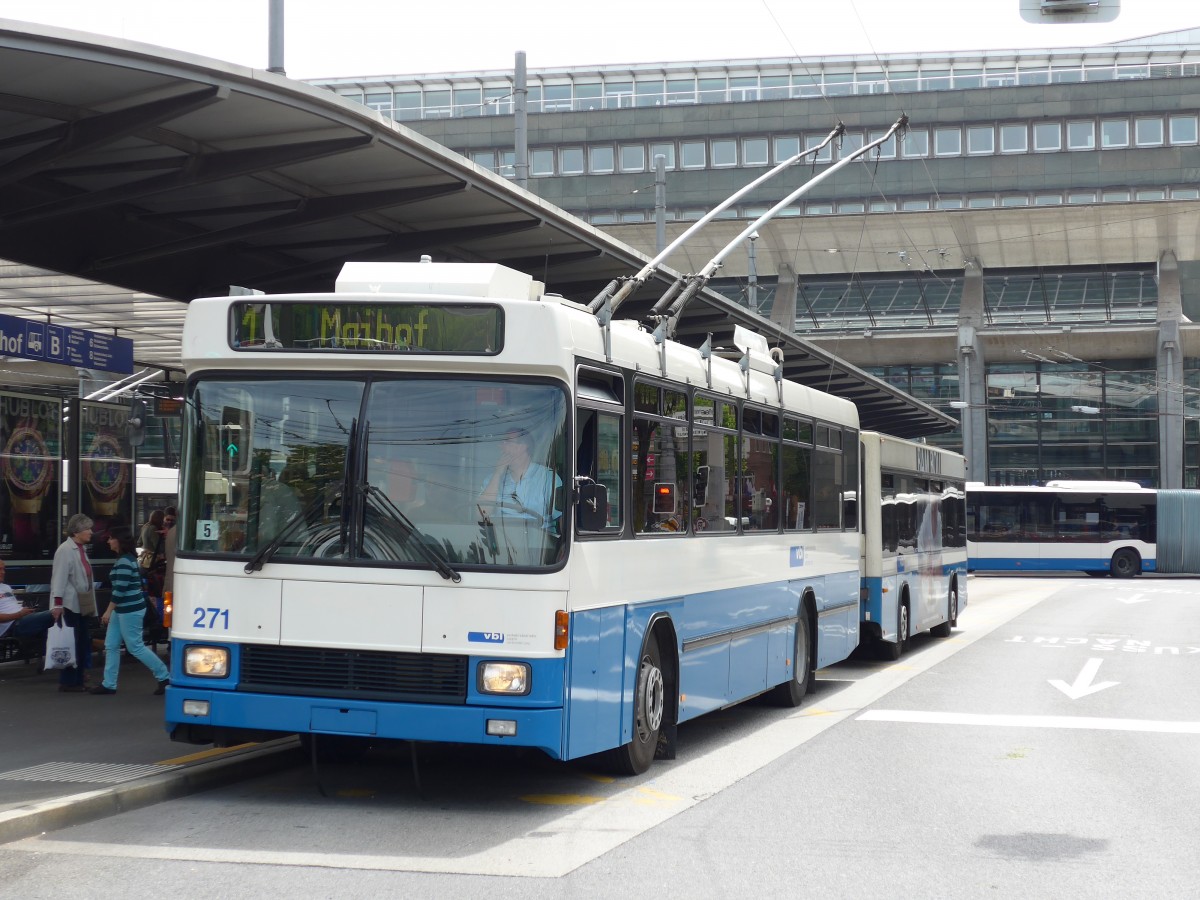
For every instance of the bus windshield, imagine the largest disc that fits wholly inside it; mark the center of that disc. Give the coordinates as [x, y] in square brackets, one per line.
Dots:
[419, 471]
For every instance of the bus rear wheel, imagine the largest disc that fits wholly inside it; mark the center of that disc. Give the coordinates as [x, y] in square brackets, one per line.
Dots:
[791, 693]
[1126, 563]
[649, 704]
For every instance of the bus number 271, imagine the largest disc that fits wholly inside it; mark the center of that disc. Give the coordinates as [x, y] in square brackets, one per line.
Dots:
[207, 617]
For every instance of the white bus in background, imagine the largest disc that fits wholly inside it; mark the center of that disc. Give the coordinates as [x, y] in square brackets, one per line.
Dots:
[375, 565]
[914, 540]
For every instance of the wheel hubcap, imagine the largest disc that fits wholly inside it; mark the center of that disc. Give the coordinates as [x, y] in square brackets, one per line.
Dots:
[653, 700]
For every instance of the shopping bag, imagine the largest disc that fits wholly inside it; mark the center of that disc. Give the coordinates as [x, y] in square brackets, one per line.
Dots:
[60, 646]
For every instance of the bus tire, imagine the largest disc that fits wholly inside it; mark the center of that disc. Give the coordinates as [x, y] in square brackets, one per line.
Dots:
[1126, 563]
[943, 630]
[894, 651]
[791, 693]
[649, 705]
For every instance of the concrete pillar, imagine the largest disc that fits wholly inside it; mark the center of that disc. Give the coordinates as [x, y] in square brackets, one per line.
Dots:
[783, 309]
[972, 381]
[1170, 374]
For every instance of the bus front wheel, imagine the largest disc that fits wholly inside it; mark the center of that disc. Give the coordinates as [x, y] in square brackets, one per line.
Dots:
[895, 651]
[649, 704]
[791, 693]
[1126, 563]
[942, 630]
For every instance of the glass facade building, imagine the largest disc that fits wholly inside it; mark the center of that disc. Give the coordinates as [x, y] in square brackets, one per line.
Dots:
[1023, 255]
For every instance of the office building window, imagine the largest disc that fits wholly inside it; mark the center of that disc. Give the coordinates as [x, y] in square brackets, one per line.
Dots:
[981, 202]
[438, 104]
[667, 150]
[485, 159]
[724, 153]
[1047, 136]
[1183, 129]
[1047, 200]
[819, 209]
[541, 162]
[1081, 197]
[883, 206]
[981, 139]
[852, 141]
[786, 148]
[601, 159]
[839, 84]
[947, 141]
[852, 206]
[1081, 135]
[1014, 138]
[1114, 196]
[589, 96]
[649, 93]
[1114, 133]
[468, 101]
[775, 87]
[1148, 132]
[886, 150]
[1151, 195]
[949, 203]
[754, 151]
[916, 143]
[681, 90]
[1014, 200]
[1185, 194]
[570, 160]
[712, 90]
[618, 94]
[814, 140]
[914, 205]
[633, 158]
[693, 154]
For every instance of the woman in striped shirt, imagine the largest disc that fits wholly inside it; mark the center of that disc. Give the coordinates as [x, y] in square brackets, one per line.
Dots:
[128, 607]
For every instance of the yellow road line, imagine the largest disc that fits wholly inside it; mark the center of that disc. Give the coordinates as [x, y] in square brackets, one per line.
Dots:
[203, 754]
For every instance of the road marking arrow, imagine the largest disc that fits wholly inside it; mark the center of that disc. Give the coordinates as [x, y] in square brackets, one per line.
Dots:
[1083, 681]
[1136, 598]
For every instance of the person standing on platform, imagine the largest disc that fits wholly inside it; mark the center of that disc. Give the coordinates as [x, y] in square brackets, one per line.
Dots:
[73, 598]
[125, 615]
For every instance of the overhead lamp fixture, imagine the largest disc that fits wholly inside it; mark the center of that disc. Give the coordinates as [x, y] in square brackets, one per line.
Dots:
[960, 404]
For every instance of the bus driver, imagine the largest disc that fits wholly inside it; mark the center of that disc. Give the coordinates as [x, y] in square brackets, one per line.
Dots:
[519, 487]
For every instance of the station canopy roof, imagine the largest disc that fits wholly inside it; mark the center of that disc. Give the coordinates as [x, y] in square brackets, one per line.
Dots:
[137, 178]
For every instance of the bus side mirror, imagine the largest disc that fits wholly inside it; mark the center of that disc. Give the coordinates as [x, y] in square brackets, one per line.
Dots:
[135, 427]
[591, 510]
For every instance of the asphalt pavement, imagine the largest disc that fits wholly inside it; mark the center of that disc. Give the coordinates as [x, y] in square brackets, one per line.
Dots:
[67, 757]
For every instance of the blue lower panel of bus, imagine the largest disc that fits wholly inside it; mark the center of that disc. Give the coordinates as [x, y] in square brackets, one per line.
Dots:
[1053, 564]
[538, 720]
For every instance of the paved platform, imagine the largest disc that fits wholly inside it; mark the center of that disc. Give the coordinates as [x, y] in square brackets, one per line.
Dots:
[67, 757]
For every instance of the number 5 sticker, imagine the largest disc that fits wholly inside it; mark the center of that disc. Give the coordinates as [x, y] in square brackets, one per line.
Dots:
[209, 616]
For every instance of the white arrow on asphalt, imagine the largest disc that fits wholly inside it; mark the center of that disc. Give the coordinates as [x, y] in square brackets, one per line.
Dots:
[1136, 598]
[1083, 681]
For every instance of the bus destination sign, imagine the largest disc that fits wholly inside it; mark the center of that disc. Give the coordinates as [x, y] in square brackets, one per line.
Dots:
[475, 329]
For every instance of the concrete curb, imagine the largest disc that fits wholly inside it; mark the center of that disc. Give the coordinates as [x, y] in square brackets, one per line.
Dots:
[76, 809]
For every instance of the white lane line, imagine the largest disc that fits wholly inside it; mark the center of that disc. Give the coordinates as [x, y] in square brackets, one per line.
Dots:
[1089, 723]
[587, 833]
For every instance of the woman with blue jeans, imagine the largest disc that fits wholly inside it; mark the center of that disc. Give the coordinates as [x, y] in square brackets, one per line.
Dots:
[128, 608]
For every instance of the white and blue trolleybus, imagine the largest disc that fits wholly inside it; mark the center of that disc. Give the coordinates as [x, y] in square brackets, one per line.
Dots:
[454, 508]
[914, 540]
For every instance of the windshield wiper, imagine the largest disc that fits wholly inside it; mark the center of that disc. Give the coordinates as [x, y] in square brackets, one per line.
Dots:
[290, 527]
[413, 537]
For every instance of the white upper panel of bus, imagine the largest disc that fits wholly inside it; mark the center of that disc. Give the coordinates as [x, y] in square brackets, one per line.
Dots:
[543, 335]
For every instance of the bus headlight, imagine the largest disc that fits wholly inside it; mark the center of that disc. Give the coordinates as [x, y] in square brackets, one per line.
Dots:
[206, 662]
[503, 678]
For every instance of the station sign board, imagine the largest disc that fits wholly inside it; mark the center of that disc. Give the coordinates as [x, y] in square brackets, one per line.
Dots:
[44, 342]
